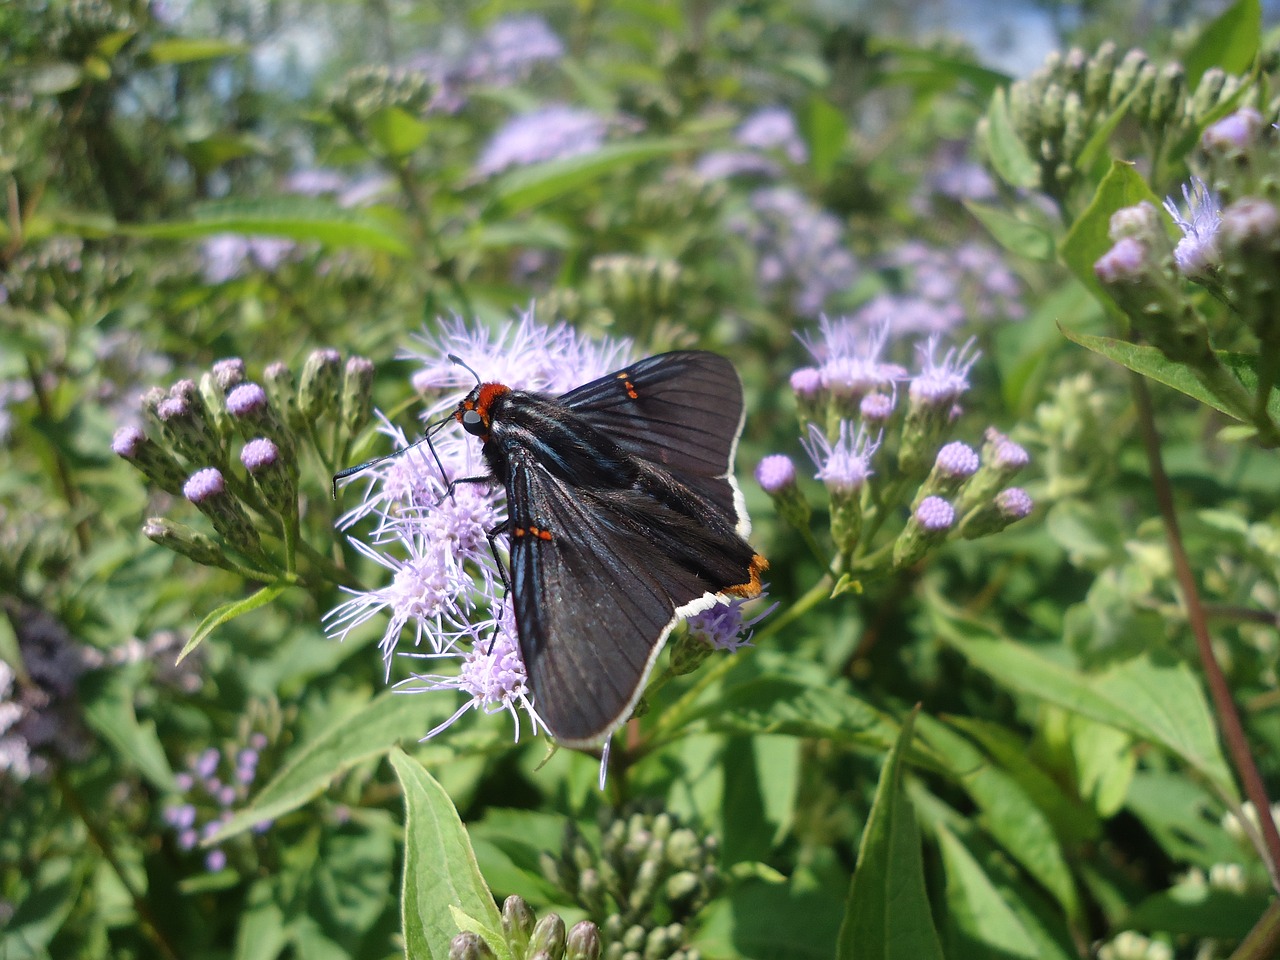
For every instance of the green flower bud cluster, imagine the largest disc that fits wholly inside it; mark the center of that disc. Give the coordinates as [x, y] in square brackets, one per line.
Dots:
[367, 91]
[1058, 110]
[78, 26]
[644, 887]
[232, 448]
[545, 939]
[61, 274]
[634, 287]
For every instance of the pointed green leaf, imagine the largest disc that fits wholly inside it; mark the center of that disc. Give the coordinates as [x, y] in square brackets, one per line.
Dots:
[193, 49]
[1015, 235]
[778, 705]
[440, 872]
[1008, 155]
[108, 709]
[531, 186]
[1008, 814]
[229, 611]
[383, 722]
[982, 918]
[305, 219]
[1230, 42]
[887, 913]
[397, 131]
[825, 131]
[1159, 702]
[1151, 363]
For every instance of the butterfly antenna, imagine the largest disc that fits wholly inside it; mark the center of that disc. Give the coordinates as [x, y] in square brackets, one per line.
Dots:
[454, 358]
[432, 428]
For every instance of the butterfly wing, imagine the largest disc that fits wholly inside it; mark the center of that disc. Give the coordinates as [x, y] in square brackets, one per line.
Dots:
[599, 578]
[680, 411]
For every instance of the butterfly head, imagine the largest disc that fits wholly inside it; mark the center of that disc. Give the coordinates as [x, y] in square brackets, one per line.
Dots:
[475, 412]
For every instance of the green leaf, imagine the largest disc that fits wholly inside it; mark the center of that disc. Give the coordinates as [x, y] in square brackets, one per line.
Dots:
[1151, 363]
[1008, 814]
[193, 49]
[1008, 154]
[1198, 910]
[825, 130]
[887, 913]
[1230, 42]
[377, 727]
[982, 918]
[983, 81]
[397, 131]
[108, 709]
[535, 185]
[229, 611]
[47, 79]
[1014, 234]
[440, 872]
[303, 219]
[778, 705]
[1089, 237]
[1160, 702]
[51, 893]
[261, 933]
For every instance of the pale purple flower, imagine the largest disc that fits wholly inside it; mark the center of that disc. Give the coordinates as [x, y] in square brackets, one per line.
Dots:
[773, 128]
[799, 248]
[215, 860]
[1235, 132]
[1197, 252]
[806, 382]
[957, 459]
[722, 626]
[723, 164]
[942, 382]
[935, 514]
[314, 182]
[876, 408]
[1014, 503]
[775, 473]
[550, 133]
[845, 465]
[510, 49]
[1250, 222]
[230, 255]
[491, 673]
[1126, 262]
[1005, 454]
[259, 454]
[204, 485]
[849, 358]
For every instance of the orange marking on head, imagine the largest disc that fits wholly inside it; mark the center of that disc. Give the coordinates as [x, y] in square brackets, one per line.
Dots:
[489, 392]
[752, 587]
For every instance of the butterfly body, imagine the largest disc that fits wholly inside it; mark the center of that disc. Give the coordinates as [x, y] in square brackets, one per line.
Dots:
[623, 518]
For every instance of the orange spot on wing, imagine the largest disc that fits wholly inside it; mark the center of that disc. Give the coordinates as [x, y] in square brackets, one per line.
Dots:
[752, 587]
[628, 385]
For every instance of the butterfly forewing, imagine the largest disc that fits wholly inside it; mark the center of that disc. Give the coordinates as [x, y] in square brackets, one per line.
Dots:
[680, 411]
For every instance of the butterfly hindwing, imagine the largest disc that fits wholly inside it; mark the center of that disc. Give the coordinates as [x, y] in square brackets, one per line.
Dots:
[597, 578]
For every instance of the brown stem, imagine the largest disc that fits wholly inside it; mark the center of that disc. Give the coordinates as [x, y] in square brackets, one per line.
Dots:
[1263, 941]
[1232, 730]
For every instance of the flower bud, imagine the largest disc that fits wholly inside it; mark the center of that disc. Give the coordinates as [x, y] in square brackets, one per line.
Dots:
[470, 946]
[548, 936]
[929, 523]
[776, 475]
[584, 942]
[207, 490]
[186, 427]
[191, 543]
[810, 396]
[254, 416]
[357, 394]
[319, 390]
[156, 463]
[517, 924]
[215, 403]
[284, 394]
[1008, 506]
[265, 464]
[956, 462]
[1125, 78]
[1205, 99]
[228, 373]
[1097, 76]
[1234, 135]
[1168, 96]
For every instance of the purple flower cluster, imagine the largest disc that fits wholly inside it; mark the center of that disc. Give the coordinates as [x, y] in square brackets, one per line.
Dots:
[800, 252]
[549, 133]
[226, 256]
[763, 135]
[876, 431]
[944, 288]
[1197, 253]
[213, 784]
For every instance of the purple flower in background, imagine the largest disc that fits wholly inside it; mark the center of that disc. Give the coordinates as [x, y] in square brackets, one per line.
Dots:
[775, 473]
[799, 249]
[722, 626]
[942, 382]
[1197, 252]
[773, 128]
[510, 48]
[229, 255]
[550, 133]
[849, 358]
[723, 164]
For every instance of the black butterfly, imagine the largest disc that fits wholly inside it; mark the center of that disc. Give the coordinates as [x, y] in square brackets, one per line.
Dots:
[623, 518]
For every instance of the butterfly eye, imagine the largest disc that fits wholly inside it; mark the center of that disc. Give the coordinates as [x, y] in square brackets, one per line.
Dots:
[472, 422]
